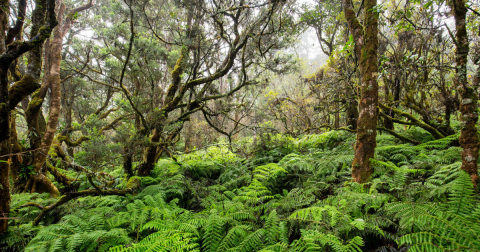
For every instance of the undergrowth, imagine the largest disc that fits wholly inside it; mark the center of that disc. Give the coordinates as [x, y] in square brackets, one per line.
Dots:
[288, 195]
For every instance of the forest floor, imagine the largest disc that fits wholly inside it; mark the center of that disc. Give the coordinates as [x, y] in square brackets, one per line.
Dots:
[291, 194]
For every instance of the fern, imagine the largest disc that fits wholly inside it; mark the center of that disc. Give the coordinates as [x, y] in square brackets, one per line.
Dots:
[172, 240]
[75, 234]
[268, 171]
[454, 226]
[213, 232]
[313, 240]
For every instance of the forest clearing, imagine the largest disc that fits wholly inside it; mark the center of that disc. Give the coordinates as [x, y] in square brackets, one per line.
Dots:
[238, 125]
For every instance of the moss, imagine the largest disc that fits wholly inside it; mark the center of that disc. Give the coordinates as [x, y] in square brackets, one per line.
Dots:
[35, 101]
[177, 71]
[134, 182]
[21, 89]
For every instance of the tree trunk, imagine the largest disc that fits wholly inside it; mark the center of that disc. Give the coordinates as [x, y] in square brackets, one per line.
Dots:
[149, 156]
[11, 96]
[53, 59]
[51, 79]
[337, 113]
[351, 107]
[4, 128]
[4, 185]
[150, 153]
[387, 122]
[127, 162]
[352, 113]
[366, 44]
[468, 137]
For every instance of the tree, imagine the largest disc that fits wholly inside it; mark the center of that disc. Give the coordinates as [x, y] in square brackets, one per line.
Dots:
[331, 29]
[192, 85]
[366, 44]
[469, 104]
[11, 96]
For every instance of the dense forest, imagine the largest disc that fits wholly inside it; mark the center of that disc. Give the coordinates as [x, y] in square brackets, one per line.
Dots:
[239, 125]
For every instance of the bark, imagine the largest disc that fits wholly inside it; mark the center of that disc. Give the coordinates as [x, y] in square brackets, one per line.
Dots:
[21, 89]
[127, 162]
[9, 55]
[4, 185]
[468, 137]
[51, 79]
[59, 177]
[337, 113]
[148, 164]
[366, 45]
[34, 117]
[35, 58]
[352, 114]
[17, 29]
[53, 58]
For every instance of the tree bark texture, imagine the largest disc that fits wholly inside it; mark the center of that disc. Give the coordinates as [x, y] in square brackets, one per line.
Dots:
[11, 96]
[366, 45]
[468, 107]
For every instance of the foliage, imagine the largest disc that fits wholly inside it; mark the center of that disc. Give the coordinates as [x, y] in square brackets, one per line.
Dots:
[418, 199]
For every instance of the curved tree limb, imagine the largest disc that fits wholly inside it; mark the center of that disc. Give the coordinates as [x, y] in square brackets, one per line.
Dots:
[414, 121]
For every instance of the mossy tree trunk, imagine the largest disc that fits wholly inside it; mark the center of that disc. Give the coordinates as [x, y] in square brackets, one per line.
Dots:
[52, 80]
[127, 162]
[351, 107]
[366, 45]
[468, 107]
[396, 96]
[11, 96]
[53, 58]
[150, 152]
[4, 185]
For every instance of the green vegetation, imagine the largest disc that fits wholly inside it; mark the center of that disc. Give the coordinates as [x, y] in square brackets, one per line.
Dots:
[239, 125]
[295, 195]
